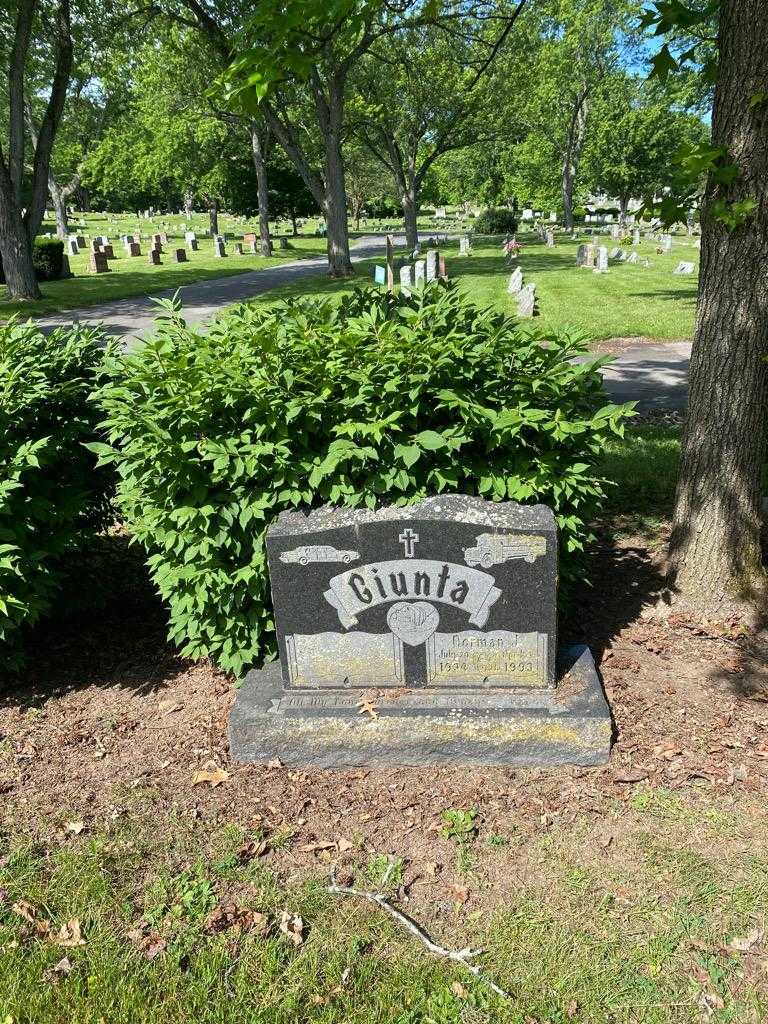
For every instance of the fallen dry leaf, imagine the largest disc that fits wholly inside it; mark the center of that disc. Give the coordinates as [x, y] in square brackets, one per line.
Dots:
[573, 1008]
[458, 990]
[237, 919]
[62, 968]
[315, 847]
[344, 845]
[368, 707]
[25, 910]
[630, 776]
[210, 773]
[749, 942]
[249, 851]
[74, 827]
[293, 926]
[70, 935]
[460, 894]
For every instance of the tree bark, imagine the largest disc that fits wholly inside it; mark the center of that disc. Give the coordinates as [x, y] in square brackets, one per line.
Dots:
[20, 277]
[213, 216]
[409, 203]
[577, 129]
[59, 208]
[17, 230]
[715, 551]
[59, 195]
[258, 152]
[330, 116]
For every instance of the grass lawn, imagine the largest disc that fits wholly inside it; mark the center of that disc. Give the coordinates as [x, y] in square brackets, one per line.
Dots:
[131, 276]
[647, 915]
[628, 301]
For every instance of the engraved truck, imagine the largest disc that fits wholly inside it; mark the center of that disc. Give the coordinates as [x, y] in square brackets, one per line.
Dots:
[495, 548]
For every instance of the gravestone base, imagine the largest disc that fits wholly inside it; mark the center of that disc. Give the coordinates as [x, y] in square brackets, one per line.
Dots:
[570, 724]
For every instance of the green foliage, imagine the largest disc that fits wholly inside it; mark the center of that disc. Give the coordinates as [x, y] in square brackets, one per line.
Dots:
[380, 399]
[51, 497]
[385, 873]
[495, 221]
[460, 825]
[47, 258]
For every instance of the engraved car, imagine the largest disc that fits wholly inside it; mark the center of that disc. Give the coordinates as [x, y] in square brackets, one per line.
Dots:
[318, 553]
[495, 548]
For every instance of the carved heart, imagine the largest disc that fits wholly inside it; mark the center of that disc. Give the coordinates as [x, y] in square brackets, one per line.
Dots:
[413, 621]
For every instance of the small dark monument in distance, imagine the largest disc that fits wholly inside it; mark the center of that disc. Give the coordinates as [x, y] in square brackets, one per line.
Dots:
[419, 635]
[153, 257]
[99, 263]
[179, 255]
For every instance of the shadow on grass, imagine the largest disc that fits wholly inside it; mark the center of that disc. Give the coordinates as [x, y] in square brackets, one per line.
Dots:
[108, 628]
[688, 295]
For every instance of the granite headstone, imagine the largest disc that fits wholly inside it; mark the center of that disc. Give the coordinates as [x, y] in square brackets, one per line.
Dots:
[444, 614]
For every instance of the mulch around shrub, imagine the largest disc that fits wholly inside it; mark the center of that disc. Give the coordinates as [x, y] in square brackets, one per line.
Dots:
[108, 720]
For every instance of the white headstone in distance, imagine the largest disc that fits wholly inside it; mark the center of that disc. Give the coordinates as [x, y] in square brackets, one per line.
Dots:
[549, 239]
[515, 281]
[666, 242]
[636, 236]
[431, 262]
[553, 218]
[683, 267]
[526, 301]
[527, 214]
[632, 258]
[602, 260]
[581, 255]
[419, 269]
[406, 279]
[73, 246]
[219, 248]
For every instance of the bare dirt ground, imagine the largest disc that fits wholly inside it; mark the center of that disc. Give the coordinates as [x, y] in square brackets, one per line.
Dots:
[109, 721]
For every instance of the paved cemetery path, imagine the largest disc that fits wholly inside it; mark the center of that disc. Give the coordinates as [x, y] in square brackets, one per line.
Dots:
[656, 376]
[131, 318]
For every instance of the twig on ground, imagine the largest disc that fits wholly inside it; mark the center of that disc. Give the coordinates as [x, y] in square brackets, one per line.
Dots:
[459, 956]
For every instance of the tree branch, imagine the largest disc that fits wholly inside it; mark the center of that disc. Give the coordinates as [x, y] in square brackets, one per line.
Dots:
[458, 956]
[50, 123]
[21, 40]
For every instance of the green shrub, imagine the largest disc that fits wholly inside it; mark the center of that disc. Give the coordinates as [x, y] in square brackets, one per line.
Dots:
[495, 221]
[51, 496]
[47, 258]
[375, 400]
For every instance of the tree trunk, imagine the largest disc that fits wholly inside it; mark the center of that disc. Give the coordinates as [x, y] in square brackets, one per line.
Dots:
[330, 116]
[20, 278]
[293, 222]
[574, 144]
[59, 200]
[623, 207]
[213, 216]
[715, 545]
[258, 146]
[408, 200]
